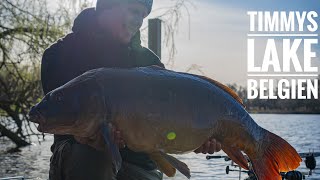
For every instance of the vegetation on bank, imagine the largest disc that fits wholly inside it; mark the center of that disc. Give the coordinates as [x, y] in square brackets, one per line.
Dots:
[278, 106]
[27, 28]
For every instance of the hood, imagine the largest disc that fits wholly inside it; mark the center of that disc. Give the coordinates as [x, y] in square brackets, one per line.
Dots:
[85, 23]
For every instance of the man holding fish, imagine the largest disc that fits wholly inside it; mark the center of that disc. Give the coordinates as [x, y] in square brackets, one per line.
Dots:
[105, 36]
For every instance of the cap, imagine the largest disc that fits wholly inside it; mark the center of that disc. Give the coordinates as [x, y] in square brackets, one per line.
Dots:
[148, 3]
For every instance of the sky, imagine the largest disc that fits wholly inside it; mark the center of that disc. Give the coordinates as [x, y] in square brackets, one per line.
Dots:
[215, 36]
[218, 36]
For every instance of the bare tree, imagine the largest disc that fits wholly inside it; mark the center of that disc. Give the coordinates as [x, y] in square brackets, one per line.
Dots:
[170, 17]
[27, 28]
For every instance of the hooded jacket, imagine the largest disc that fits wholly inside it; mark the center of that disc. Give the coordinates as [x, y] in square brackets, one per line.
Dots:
[86, 48]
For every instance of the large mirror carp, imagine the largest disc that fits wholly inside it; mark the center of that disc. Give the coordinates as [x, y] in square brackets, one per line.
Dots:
[162, 112]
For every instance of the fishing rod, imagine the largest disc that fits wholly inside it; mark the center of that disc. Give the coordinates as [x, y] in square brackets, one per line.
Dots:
[310, 163]
[226, 158]
[16, 178]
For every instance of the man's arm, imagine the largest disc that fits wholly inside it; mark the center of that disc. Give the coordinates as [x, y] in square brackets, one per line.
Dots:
[142, 55]
[56, 64]
[145, 57]
[152, 57]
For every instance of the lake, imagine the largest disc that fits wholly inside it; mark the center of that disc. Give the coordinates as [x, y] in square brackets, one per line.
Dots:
[301, 131]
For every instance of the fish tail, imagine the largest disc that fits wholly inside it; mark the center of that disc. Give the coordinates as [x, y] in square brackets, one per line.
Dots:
[236, 155]
[274, 156]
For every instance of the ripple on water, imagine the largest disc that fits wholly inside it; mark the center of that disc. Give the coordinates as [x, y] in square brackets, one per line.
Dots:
[302, 131]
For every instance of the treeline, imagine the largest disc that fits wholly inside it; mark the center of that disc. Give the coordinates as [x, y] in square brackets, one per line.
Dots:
[295, 106]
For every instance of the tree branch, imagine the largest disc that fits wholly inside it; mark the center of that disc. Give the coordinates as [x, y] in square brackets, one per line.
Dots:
[13, 137]
[18, 30]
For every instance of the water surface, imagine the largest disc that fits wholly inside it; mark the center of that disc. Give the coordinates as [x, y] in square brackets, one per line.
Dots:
[302, 131]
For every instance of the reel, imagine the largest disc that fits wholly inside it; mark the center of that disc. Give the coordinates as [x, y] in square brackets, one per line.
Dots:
[310, 163]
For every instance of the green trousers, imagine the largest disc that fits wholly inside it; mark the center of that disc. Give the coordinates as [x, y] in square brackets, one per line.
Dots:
[74, 161]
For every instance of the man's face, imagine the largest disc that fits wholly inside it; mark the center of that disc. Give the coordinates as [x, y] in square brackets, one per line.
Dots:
[123, 20]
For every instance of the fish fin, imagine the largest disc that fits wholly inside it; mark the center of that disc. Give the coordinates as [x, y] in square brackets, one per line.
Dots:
[220, 85]
[236, 155]
[163, 165]
[156, 67]
[275, 156]
[180, 166]
[112, 148]
[223, 87]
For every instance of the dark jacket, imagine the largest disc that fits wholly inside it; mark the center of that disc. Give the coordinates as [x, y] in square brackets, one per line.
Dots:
[85, 48]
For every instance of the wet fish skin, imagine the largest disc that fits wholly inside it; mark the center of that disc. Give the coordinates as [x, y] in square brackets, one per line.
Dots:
[69, 111]
[148, 103]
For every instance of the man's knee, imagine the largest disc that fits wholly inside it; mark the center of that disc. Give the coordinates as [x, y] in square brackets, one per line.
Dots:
[72, 160]
[78, 161]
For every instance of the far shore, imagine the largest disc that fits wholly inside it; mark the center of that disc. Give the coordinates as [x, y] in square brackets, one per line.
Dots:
[280, 112]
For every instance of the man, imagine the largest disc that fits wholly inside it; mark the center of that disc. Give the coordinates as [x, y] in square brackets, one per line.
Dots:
[107, 36]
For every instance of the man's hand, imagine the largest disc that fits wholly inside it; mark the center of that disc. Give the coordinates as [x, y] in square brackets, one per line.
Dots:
[117, 137]
[209, 146]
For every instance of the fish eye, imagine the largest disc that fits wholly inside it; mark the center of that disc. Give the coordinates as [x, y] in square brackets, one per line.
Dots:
[58, 97]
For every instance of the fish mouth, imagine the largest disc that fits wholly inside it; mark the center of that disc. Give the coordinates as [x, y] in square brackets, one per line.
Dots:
[40, 127]
[37, 117]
